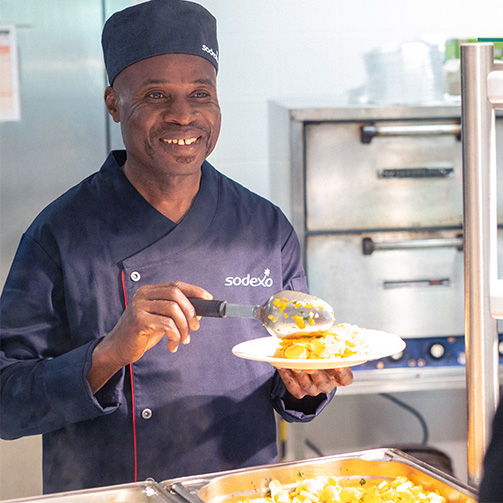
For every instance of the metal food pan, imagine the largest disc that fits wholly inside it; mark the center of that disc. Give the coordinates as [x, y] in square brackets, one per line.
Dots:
[381, 464]
[138, 492]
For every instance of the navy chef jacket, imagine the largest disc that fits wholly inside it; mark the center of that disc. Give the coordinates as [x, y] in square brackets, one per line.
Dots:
[198, 410]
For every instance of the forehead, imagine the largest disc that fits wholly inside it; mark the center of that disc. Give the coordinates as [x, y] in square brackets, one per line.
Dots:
[167, 68]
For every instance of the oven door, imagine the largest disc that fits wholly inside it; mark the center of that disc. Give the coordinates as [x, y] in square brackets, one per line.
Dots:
[385, 174]
[408, 283]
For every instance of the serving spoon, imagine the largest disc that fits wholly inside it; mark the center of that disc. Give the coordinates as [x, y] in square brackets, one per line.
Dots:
[285, 313]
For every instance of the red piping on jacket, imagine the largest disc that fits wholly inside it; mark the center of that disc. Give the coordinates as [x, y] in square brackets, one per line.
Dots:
[132, 391]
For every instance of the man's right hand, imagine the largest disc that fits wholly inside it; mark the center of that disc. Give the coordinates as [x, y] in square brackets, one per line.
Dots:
[154, 311]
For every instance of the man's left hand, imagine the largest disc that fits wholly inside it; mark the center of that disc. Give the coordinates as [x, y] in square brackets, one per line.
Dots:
[302, 383]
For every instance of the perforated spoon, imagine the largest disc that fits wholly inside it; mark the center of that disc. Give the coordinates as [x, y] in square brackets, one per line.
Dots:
[285, 313]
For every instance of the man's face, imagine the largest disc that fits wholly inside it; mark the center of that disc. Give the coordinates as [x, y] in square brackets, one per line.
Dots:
[169, 113]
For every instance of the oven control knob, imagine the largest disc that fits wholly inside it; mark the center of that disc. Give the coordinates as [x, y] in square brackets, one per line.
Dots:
[437, 351]
[396, 357]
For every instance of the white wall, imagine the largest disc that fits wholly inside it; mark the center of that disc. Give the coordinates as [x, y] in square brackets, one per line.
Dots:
[274, 50]
[281, 49]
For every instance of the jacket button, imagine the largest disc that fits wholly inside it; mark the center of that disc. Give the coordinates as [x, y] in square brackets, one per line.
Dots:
[146, 413]
[135, 276]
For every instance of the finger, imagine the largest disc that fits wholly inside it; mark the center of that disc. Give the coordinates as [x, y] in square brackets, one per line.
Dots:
[298, 383]
[169, 301]
[172, 345]
[289, 379]
[323, 381]
[159, 327]
[194, 291]
[178, 291]
[306, 384]
[186, 288]
[342, 376]
[169, 316]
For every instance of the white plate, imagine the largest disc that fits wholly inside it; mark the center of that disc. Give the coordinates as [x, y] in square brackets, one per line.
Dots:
[380, 345]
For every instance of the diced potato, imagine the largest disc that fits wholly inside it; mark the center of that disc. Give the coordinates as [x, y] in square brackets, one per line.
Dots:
[324, 489]
[299, 321]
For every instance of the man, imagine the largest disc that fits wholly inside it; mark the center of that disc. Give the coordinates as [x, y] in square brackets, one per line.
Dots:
[104, 272]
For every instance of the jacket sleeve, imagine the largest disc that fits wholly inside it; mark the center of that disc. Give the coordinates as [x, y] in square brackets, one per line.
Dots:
[43, 373]
[298, 411]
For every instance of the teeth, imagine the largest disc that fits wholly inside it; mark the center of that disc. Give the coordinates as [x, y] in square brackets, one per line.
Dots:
[181, 141]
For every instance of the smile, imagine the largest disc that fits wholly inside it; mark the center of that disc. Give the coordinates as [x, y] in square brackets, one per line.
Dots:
[180, 141]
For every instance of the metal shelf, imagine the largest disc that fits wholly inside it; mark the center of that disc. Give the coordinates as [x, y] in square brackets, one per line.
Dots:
[407, 379]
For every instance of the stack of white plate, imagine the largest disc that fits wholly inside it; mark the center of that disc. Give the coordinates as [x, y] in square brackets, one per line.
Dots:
[409, 73]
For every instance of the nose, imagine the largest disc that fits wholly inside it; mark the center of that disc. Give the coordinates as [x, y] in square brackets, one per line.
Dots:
[180, 110]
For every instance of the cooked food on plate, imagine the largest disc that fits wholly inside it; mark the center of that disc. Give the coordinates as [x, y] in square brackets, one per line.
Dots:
[342, 340]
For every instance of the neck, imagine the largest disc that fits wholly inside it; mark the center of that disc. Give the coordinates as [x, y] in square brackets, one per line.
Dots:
[171, 195]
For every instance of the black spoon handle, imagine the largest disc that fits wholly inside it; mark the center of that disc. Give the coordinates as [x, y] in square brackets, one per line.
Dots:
[212, 308]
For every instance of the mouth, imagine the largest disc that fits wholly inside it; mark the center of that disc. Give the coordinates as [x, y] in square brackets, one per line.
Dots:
[181, 141]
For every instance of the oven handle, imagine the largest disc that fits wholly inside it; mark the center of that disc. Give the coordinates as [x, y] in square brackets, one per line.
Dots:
[370, 131]
[369, 246]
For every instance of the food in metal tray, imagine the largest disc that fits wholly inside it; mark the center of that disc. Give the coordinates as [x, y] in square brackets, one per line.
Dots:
[342, 340]
[324, 489]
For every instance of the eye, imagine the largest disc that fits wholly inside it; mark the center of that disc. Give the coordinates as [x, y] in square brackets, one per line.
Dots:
[201, 93]
[155, 95]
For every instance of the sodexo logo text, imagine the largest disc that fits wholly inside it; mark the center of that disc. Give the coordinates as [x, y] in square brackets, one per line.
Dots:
[210, 51]
[247, 280]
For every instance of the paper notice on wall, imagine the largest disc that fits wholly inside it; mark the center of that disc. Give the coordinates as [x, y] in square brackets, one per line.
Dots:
[10, 109]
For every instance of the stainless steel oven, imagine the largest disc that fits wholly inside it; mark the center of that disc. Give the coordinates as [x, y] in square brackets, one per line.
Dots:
[377, 197]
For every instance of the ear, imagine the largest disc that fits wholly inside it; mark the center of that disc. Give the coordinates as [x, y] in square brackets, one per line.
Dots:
[112, 103]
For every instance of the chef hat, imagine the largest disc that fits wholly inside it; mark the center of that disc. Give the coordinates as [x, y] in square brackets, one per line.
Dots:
[158, 27]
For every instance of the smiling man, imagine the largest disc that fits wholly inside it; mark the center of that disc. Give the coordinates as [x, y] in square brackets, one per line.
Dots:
[170, 121]
[102, 351]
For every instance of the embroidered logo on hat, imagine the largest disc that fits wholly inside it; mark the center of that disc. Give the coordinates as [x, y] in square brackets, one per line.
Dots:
[211, 52]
